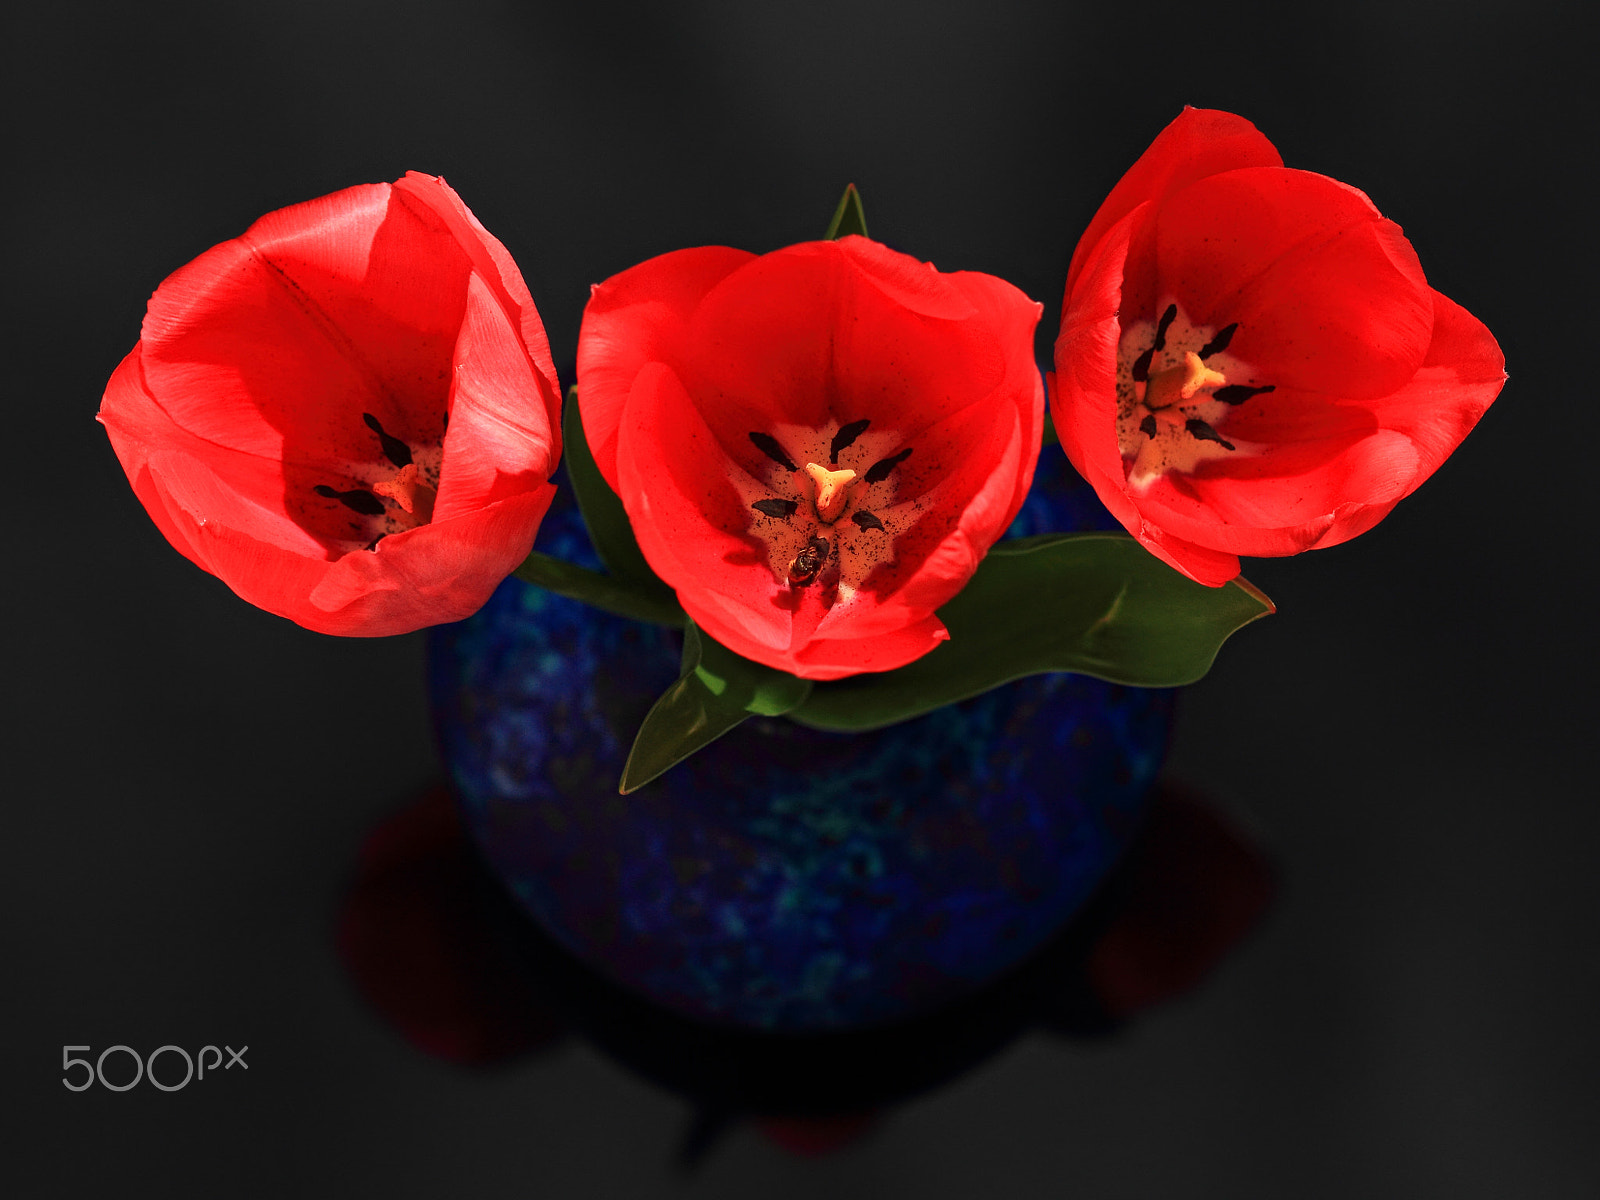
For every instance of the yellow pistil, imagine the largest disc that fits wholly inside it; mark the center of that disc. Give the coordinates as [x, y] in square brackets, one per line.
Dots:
[410, 493]
[1180, 383]
[833, 491]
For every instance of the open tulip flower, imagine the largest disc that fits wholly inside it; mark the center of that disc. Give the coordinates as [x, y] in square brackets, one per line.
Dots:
[1251, 360]
[349, 413]
[815, 447]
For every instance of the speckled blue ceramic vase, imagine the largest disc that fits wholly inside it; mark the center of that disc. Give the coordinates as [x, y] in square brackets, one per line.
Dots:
[786, 878]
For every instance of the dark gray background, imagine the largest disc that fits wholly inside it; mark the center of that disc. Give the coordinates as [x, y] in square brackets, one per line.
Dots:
[187, 783]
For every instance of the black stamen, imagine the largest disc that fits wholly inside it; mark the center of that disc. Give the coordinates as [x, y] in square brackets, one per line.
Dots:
[1141, 365]
[359, 499]
[1199, 430]
[394, 449]
[1148, 426]
[1167, 318]
[776, 508]
[803, 570]
[865, 520]
[846, 435]
[879, 471]
[768, 445]
[1238, 393]
[1219, 343]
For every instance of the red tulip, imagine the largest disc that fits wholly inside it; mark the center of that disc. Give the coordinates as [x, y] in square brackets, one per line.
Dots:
[1251, 361]
[349, 413]
[815, 447]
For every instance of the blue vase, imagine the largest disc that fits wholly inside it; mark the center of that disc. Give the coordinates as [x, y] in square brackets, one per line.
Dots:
[786, 878]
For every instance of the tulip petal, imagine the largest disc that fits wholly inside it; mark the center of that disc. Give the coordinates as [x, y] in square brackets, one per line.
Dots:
[1327, 295]
[266, 575]
[835, 658]
[203, 483]
[1083, 402]
[134, 423]
[1460, 377]
[637, 317]
[494, 264]
[690, 521]
[443, 571]
[931, 561]
[1200, 142]
[1203, 564]
[1010, 319]
[825, 331]
[908, 284]
[276, 342]
[439, 572]
[501, 435]
[1280, 515]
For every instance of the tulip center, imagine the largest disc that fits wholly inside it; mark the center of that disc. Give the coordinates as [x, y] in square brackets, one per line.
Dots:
[392, 491]
[832, 491]
[1176, 384]
[831, 521]
[414, 497]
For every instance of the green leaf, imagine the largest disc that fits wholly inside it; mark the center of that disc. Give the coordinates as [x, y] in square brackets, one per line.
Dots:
[848, 218]
[716, 691]
[1097, 603]
[626, 598]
